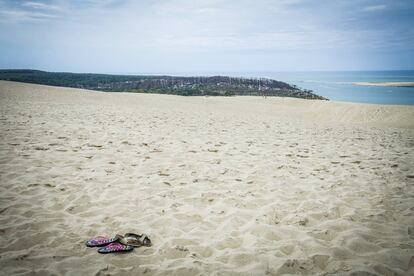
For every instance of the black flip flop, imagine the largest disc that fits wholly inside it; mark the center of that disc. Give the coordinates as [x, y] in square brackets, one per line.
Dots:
[135, 240]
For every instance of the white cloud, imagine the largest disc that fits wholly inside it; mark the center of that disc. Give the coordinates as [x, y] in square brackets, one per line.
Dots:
[375, 8]
[190, 30]
[9, 16]
[40, 6]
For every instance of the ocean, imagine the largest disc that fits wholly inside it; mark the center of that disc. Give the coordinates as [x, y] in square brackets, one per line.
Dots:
[337, 86]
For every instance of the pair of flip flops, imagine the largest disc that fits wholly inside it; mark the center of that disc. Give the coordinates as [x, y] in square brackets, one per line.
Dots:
[119, 243]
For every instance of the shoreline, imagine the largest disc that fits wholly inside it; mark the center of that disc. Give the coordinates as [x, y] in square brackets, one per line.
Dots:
[209, 96]
[391, 84]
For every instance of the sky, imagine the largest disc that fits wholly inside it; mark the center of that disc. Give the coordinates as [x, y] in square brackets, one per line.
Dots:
[157, 36]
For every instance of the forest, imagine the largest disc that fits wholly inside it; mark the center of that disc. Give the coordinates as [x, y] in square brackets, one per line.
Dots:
[176, 85]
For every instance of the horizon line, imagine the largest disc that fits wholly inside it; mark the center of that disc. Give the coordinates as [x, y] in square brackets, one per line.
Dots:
[209, 72]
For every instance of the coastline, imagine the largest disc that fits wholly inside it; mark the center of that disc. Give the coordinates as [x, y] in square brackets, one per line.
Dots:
[391, 84]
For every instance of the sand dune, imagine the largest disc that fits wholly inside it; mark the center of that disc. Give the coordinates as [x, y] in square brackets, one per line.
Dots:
[387, 83]
[223, 186]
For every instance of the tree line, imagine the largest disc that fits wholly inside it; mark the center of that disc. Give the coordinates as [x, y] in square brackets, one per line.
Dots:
[186, 86]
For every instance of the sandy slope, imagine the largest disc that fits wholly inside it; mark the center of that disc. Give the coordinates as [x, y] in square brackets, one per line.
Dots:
[239, 185]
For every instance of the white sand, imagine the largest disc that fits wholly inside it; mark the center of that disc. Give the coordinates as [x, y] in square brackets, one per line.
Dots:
[398, 84]
[223, 186]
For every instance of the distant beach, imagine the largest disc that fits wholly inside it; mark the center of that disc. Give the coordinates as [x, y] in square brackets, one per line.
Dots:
[395, 84]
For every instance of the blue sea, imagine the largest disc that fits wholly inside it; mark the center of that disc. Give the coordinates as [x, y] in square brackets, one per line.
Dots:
[337, 86]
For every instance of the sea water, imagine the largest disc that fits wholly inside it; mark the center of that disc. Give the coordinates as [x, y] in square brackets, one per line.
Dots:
[338, 86]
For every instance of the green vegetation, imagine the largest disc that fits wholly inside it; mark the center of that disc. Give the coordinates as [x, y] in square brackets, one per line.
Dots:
[184, 86]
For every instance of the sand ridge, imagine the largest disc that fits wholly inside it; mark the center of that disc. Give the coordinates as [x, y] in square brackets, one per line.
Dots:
[223, 186]
[396, 84]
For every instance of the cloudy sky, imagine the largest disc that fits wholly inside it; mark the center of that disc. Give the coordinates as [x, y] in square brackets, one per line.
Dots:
[149, 36]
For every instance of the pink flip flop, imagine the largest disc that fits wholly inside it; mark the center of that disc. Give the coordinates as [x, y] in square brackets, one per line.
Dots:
[101, 241]
[115, 247]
